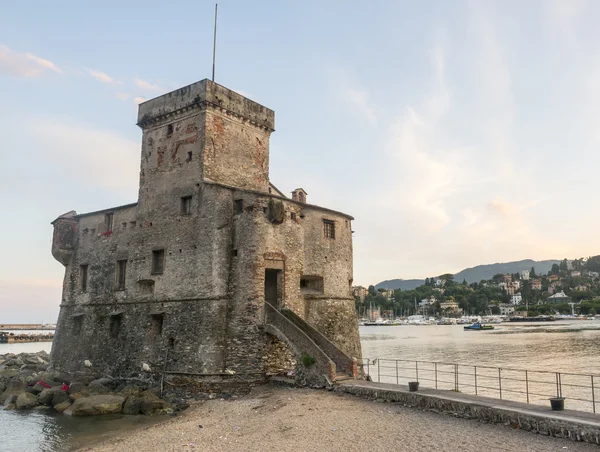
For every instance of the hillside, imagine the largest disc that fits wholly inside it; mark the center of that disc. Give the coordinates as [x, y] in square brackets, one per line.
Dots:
[475, 274]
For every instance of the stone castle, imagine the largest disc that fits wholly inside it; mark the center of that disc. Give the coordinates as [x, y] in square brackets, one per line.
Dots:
[214, 273]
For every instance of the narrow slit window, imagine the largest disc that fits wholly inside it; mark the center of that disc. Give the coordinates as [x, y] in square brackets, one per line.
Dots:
[239, 206]
[108, 221]
[121, 273]
[170, 129]
[293, 216]
[329, 229]
[77, 325]
[83, 274]
[157, 324]
[158, 262]
[186, 205]
[115, 325]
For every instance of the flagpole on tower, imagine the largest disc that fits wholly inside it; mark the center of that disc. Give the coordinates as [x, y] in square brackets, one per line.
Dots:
[214, 43]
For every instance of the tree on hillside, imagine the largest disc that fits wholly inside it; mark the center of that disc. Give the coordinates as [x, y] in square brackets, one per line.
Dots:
[555, 270]
[427, 282]
[448, 277]
[372, 290]
[593, 264]
[498, 277]
[532, 273]
[464, 283]
[563, 265]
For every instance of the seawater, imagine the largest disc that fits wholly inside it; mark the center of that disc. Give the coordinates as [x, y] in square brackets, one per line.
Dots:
[50, 432]
[566, 346]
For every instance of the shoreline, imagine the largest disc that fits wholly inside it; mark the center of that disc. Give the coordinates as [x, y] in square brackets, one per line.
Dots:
[277, 418]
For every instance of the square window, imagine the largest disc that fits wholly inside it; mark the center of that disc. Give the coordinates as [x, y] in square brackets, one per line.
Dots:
[83, 275]
[120, 274]
[239, 206]
[158, 262]
[186, 205]
[329, 229]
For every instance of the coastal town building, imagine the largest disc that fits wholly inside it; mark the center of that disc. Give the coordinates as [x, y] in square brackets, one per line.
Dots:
[213, 272]
[559, 297]
[506, 309]
[450, 308]
[525, 275]
[536, 284]
[360, 292]
[516, 299]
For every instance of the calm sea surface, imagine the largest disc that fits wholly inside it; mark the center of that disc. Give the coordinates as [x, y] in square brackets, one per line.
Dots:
[566, 346]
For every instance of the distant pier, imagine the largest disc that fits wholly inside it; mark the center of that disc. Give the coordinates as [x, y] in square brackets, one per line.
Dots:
[16, 338]
[27, 326]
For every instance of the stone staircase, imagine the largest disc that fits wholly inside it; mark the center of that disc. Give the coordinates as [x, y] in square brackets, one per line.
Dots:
[331, 364]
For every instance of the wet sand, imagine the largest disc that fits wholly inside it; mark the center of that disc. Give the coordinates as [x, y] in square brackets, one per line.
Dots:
[275, 419]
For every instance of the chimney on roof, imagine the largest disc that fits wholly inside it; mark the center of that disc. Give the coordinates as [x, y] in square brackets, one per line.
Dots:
[299, 195]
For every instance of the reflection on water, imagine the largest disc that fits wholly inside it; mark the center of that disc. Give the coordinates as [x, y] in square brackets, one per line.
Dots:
[526, 346]
[53, 432]
[532, 347]
[50, 432]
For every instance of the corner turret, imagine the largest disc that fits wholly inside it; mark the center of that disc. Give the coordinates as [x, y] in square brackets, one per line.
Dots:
[64, 237]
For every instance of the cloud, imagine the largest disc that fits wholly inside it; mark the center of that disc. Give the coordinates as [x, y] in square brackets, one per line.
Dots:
[145, 85]
[24, 64]
[349, 94]
[563, 17]
[139, 100]
[103, 77]
[89, 155]
[359, 99]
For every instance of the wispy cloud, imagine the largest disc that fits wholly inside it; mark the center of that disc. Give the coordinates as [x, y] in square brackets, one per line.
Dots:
[103, 77]
[90, 155]
[145, 85]
[24, 64]
[351, 94]
[139, 100]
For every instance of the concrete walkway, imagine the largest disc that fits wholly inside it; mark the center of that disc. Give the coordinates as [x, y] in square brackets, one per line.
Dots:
[576, 425]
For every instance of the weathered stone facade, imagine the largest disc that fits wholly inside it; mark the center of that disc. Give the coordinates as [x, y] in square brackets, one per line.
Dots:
[178, 280]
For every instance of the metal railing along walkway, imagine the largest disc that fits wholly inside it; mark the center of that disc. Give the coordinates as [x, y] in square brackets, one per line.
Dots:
[531, 386]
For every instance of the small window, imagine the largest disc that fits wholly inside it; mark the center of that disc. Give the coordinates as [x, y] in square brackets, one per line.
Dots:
[186, 205]
[301, 197]
[170, 129]
[158, 262]
[108, 221]
[157, 324]
[115, 325]
[189, 156]
[239, 206]
[121, 272]
[83, 274]
[329, 229]
[293, 216]
[77, 325]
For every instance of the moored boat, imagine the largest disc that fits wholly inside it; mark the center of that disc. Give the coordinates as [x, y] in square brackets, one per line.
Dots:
[478, 327]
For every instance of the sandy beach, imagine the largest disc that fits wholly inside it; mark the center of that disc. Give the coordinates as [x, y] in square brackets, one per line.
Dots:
[275, 419]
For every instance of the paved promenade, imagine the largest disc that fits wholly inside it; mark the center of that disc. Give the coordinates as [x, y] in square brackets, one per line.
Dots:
[277, 419]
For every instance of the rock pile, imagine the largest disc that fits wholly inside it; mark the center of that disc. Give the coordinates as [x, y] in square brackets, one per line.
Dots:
[27, 381]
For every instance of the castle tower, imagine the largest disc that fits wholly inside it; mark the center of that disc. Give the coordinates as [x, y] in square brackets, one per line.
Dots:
[181, 280]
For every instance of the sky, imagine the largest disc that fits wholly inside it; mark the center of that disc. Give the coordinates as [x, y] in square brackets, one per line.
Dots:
[457, 133]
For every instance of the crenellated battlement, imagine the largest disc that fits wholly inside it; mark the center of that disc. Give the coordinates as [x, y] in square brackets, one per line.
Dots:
[203, 95]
